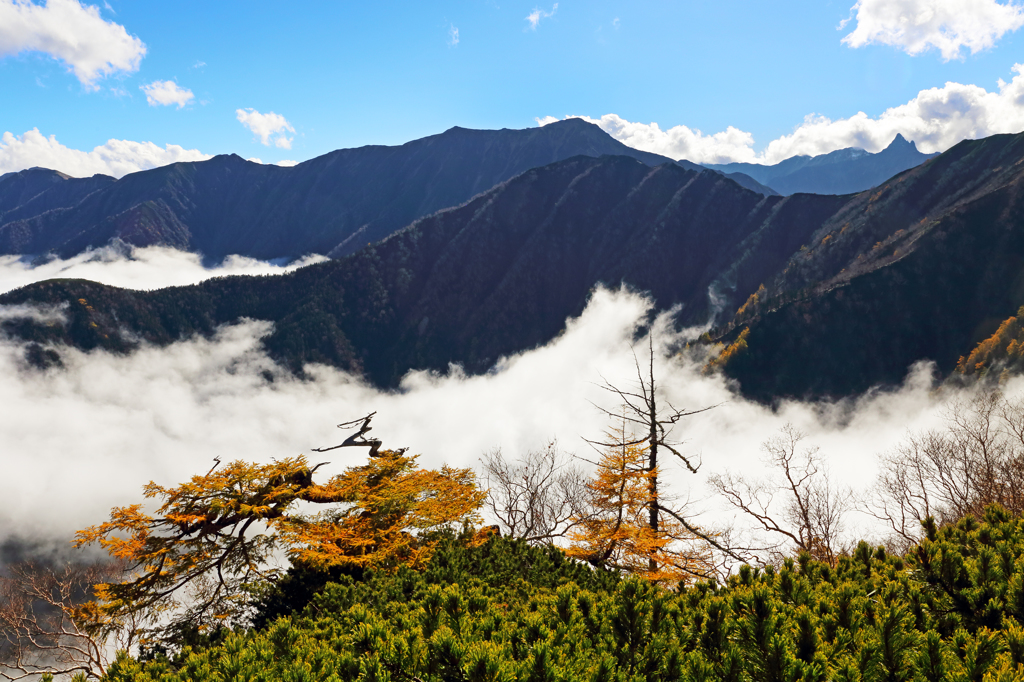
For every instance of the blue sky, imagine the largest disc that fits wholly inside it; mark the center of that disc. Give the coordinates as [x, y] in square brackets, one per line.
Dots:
[342, 74]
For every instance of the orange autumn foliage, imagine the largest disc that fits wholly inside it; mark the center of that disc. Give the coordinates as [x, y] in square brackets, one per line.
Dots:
[209, 544]
[616, 534]
[1004, 347]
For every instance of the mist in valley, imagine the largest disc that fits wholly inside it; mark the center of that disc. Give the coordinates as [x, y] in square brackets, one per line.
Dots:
[86, 437]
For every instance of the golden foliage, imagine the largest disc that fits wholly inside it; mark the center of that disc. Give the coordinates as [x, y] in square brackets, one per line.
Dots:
[617, 533]
[209, 543]
[389, 502]
[751, 302]
[1005, 345]
[729, 352]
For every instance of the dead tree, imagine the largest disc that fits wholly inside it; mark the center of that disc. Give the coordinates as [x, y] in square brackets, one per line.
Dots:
[975, 461]
[812, 510]
[653, 421]
[357, 439]
[50, 623]
[539, 497]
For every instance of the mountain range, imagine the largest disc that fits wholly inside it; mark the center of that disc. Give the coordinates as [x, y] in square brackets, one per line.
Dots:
[833, 293]
[844, 171]
[334, 204]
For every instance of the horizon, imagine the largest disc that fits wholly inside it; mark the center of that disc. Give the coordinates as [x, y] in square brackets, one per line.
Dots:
[150, 84]
[289, 164]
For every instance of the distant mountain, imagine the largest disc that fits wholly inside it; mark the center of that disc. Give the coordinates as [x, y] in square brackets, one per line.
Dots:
[334, 204]
[497, 275]
[844, 171]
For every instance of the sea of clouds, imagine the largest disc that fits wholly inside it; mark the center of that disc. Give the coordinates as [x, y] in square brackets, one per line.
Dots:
[84, 438]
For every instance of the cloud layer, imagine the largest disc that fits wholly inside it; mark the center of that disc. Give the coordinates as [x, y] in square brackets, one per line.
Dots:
[267, 126]
[935, 119]
[165, 93]
[91, 435]
[949, 26]
[76, 34]
[152, 267]
[116, 157]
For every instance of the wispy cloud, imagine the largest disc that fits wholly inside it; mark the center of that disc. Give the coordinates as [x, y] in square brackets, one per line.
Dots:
[267, 126]
[165, 93]
[534, 17]
[116, 157]
[453, 35]
[916, 26]
[936, 119]
[151, 267]
[73, 33]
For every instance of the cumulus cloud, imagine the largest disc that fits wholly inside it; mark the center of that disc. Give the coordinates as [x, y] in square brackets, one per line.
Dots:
[267, 126]
[92, 434]
[151, 267]
[116, 157]
[76, 34]
[165, 93]
[677, 142]
[534, 17]
[916, 26]
[936, 119]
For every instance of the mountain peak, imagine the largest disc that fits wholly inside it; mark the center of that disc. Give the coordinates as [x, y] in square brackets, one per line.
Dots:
[900, 142]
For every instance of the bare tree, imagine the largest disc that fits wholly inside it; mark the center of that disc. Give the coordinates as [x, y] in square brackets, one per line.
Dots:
[975, 461]
[653, 420]
[50, 623]
[539, 497]
[800, 506]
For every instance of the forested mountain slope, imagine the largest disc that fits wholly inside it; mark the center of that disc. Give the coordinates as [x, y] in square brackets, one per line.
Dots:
[334, 204]
[470, 284]
[922, 267]
[856, 288]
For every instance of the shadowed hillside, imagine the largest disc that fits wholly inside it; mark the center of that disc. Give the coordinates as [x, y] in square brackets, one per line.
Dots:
[470, 284]
[334, 204]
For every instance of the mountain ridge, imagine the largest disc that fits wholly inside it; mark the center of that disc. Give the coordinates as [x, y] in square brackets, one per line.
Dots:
[333, 204]
[844, 171]
[856, 288]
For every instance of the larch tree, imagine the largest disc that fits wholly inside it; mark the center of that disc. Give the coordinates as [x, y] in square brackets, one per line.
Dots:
[195, 563]
[648, 422]
[617, 533]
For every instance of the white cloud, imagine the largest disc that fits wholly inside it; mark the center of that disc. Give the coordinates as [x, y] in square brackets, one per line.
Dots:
[453, 35]
[936, 119]
[76, 34]
[164, 414]
[676, 142]
[116, 157]
[165, 93]
[265, 126]
[915, 26]
[152, 267]
[534, 17]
